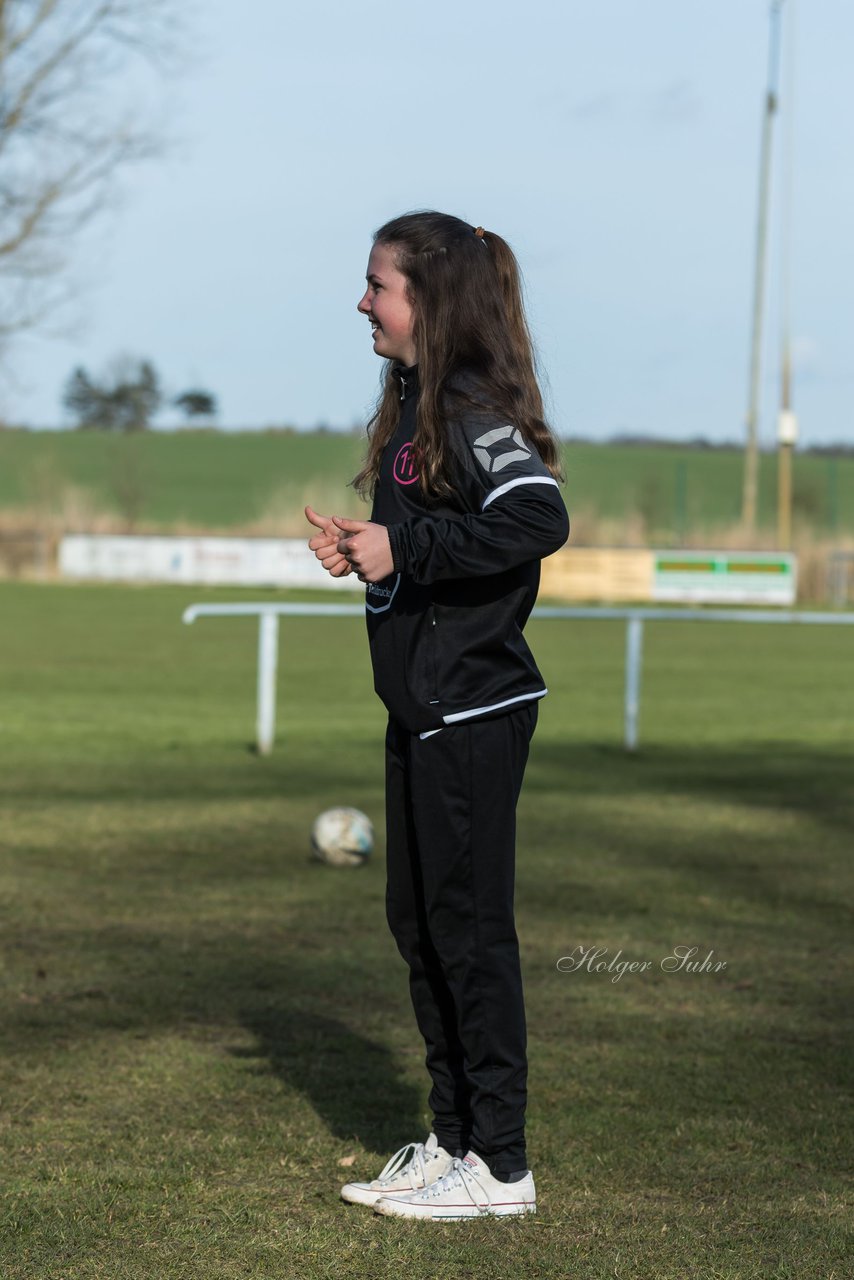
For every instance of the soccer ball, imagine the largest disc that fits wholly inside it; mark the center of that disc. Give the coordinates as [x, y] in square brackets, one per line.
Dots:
[342, 838]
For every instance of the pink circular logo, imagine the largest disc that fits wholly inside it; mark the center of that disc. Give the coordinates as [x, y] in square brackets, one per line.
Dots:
[404, 465]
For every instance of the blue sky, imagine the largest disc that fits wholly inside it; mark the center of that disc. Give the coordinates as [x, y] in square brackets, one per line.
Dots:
[615, 146]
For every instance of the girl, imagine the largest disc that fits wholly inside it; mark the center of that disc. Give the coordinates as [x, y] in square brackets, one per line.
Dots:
[463, 473]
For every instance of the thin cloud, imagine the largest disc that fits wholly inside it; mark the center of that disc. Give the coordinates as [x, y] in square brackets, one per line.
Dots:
[597, 107]
[674, 103]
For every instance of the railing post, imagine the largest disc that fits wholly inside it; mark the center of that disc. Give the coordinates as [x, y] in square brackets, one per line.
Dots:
[634, 649]
[268, 651]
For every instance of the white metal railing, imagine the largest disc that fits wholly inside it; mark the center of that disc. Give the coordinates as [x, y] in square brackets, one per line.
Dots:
[268, 642]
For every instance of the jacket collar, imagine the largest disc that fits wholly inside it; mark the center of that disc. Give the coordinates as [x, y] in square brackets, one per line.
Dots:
[407, 379]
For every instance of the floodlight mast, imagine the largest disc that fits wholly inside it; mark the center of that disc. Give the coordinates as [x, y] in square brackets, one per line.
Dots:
[751, 453]
[787, 422]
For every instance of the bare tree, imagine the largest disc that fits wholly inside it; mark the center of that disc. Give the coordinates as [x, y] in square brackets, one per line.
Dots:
[69, 81]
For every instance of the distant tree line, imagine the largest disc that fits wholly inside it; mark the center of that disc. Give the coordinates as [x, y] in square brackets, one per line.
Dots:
[833, 449]
[127, 398]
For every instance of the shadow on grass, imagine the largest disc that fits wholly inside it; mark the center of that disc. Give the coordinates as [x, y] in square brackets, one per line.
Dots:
[310, 1002]
[791, 777]
[303, 1019]
[194, 776]
[350, 1080]
[783, 1067]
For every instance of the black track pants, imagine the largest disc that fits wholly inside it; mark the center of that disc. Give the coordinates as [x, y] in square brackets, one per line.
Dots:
[451, 837]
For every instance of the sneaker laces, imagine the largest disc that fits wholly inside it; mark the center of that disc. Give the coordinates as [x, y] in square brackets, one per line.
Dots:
[460, 1175]
[398, 1164]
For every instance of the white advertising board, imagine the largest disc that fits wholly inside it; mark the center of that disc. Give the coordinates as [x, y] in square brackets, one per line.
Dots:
[239, 562]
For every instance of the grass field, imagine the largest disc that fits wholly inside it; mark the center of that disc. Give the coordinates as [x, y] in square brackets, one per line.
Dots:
[201, 1025]
[221, 481]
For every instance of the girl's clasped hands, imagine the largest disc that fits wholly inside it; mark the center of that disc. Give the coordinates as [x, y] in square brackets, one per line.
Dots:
[351, 546]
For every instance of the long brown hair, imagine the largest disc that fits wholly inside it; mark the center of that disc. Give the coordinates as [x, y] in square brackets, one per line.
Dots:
[468, 318]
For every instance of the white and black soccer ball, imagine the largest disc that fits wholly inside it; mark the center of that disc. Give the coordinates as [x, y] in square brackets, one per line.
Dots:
[342, 838]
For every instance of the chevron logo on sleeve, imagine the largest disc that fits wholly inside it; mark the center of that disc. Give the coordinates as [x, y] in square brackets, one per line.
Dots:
[493, 458]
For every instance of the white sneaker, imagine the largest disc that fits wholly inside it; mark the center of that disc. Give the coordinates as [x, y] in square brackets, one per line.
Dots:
[402, 1176]
[468, 1190]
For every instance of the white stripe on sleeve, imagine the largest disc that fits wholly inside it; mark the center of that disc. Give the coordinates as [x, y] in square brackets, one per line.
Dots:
[511, 484]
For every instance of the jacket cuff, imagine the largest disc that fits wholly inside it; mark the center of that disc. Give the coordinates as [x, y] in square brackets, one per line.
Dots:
[395, 540]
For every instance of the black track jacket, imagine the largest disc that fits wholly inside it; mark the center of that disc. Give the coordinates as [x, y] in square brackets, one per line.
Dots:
[445, 628]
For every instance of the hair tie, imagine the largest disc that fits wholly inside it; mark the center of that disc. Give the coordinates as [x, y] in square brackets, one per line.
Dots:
[478, 231]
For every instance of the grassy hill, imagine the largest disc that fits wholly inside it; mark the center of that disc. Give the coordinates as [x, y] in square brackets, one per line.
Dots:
[259, 482]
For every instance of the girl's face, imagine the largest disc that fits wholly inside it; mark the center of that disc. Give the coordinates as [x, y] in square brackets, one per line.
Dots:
[387, 307]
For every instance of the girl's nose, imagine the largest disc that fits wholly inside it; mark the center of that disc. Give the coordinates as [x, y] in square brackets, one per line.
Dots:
[363, 304]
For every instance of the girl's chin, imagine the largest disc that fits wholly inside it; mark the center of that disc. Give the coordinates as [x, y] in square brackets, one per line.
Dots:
[382, 349]
[389, 352]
